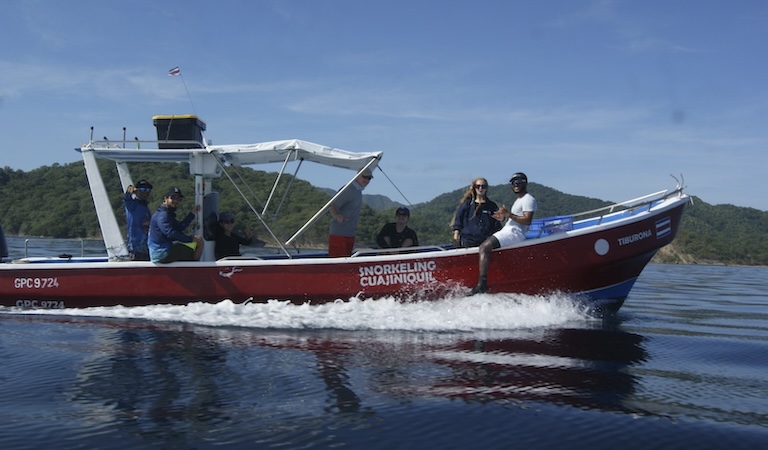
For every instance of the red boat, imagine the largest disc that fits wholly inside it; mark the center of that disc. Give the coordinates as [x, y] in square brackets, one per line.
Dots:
[595, 256]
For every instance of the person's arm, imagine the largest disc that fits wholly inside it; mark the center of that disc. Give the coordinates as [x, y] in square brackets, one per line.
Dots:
[336, 206]
[190, 217]
[525, 219]
[495, 223]
[243, 240]
[335, 213]
[503, 213]
[414, 240]
[458, 223]
[168, 228]
[128, 201]
[382, 239]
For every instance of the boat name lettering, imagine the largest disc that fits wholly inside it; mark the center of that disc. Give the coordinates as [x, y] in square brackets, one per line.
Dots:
[35, 283]
[635, 237]
[48, 304]
[397, 273]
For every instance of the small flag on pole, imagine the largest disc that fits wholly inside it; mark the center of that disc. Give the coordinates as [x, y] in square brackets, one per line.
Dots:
[174, 71]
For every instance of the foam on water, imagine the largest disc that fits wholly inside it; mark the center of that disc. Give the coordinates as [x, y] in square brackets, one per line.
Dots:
[481, 312]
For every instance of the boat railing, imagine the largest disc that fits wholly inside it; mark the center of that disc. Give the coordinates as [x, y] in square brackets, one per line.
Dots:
[137, 144]
[80, 240]
[559, 224]
[633, 206]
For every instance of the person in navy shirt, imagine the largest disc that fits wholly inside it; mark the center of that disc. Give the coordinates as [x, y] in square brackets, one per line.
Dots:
[473, 221]
[137, 216]
[167, 241]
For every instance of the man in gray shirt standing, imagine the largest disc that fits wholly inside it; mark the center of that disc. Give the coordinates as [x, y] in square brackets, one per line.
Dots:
[345, 212]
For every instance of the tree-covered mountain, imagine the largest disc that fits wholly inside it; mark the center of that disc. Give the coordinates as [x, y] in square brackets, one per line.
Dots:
[55, 201]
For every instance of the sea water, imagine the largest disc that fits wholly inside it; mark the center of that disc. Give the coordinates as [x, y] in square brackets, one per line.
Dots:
[682, 365]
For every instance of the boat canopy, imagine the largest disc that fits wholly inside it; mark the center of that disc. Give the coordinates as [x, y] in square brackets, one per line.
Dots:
[294, 149]
[205, 163]
[242, 154]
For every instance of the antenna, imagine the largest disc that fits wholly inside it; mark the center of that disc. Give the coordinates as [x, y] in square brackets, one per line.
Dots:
[176, 71]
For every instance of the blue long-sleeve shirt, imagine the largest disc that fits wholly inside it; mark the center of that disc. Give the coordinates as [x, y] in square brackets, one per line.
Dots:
[137, 213]
[164, 230]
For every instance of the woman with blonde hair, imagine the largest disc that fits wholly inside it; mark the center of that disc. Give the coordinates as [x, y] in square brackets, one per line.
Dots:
[473, 221]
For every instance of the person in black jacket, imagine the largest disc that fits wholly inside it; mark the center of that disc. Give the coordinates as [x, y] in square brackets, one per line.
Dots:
[227, 242]
[397, 234]
[473, 221]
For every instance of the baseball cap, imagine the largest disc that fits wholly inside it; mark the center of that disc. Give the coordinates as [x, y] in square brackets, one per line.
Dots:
[144, 184]
[520, 176]
[403, 210]
[174, 191]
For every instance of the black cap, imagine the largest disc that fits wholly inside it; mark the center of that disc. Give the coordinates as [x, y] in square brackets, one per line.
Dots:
[520, 176]
[144, 184]
[173, 191]
[403, 210]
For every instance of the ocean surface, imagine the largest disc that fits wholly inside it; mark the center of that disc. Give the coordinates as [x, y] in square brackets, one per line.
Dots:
[684, 364]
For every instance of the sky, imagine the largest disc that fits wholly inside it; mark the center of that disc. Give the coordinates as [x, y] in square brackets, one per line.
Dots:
[600, 98]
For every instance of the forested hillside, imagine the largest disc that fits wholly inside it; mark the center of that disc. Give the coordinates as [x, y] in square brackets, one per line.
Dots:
[55, 201]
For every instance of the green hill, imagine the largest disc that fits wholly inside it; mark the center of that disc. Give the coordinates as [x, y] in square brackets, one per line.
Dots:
[54, 201]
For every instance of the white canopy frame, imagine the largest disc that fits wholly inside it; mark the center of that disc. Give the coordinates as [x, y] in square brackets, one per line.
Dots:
[210, 162]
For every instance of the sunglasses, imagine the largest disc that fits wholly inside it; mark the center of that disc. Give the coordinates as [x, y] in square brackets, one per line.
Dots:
[401, 215]
[144, 189]
[367, 178]
[481, 186]
[518, 182]
[227, 221]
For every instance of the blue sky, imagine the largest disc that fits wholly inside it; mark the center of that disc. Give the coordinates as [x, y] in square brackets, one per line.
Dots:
[602, 98]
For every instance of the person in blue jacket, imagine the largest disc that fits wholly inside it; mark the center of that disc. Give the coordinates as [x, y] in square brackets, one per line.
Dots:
[473, 221]
[167, 241]
[138, 215]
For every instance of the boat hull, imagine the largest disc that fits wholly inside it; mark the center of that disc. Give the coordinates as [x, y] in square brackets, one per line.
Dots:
[597, 263]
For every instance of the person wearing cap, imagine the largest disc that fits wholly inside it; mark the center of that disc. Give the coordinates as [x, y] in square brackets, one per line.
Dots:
[137, 216]
[518, 219]
[473, 220]
[227, 241]
[345, 213]
[167, 241]
[397, 234]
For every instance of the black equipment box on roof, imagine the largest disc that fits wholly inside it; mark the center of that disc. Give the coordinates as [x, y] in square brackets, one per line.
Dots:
[179, 131]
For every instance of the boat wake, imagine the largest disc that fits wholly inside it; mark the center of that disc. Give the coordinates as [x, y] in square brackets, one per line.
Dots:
[450, 314]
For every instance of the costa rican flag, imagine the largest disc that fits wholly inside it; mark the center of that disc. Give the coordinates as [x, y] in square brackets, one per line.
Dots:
[663, 227]
[174, 71]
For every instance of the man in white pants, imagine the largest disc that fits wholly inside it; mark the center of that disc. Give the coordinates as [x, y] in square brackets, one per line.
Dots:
[520, 217]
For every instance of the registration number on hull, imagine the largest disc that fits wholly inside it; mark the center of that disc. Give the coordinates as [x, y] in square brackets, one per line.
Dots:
[35, 283]
[47, 304]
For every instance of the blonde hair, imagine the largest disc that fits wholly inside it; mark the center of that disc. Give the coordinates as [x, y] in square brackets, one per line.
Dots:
[470, 193]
